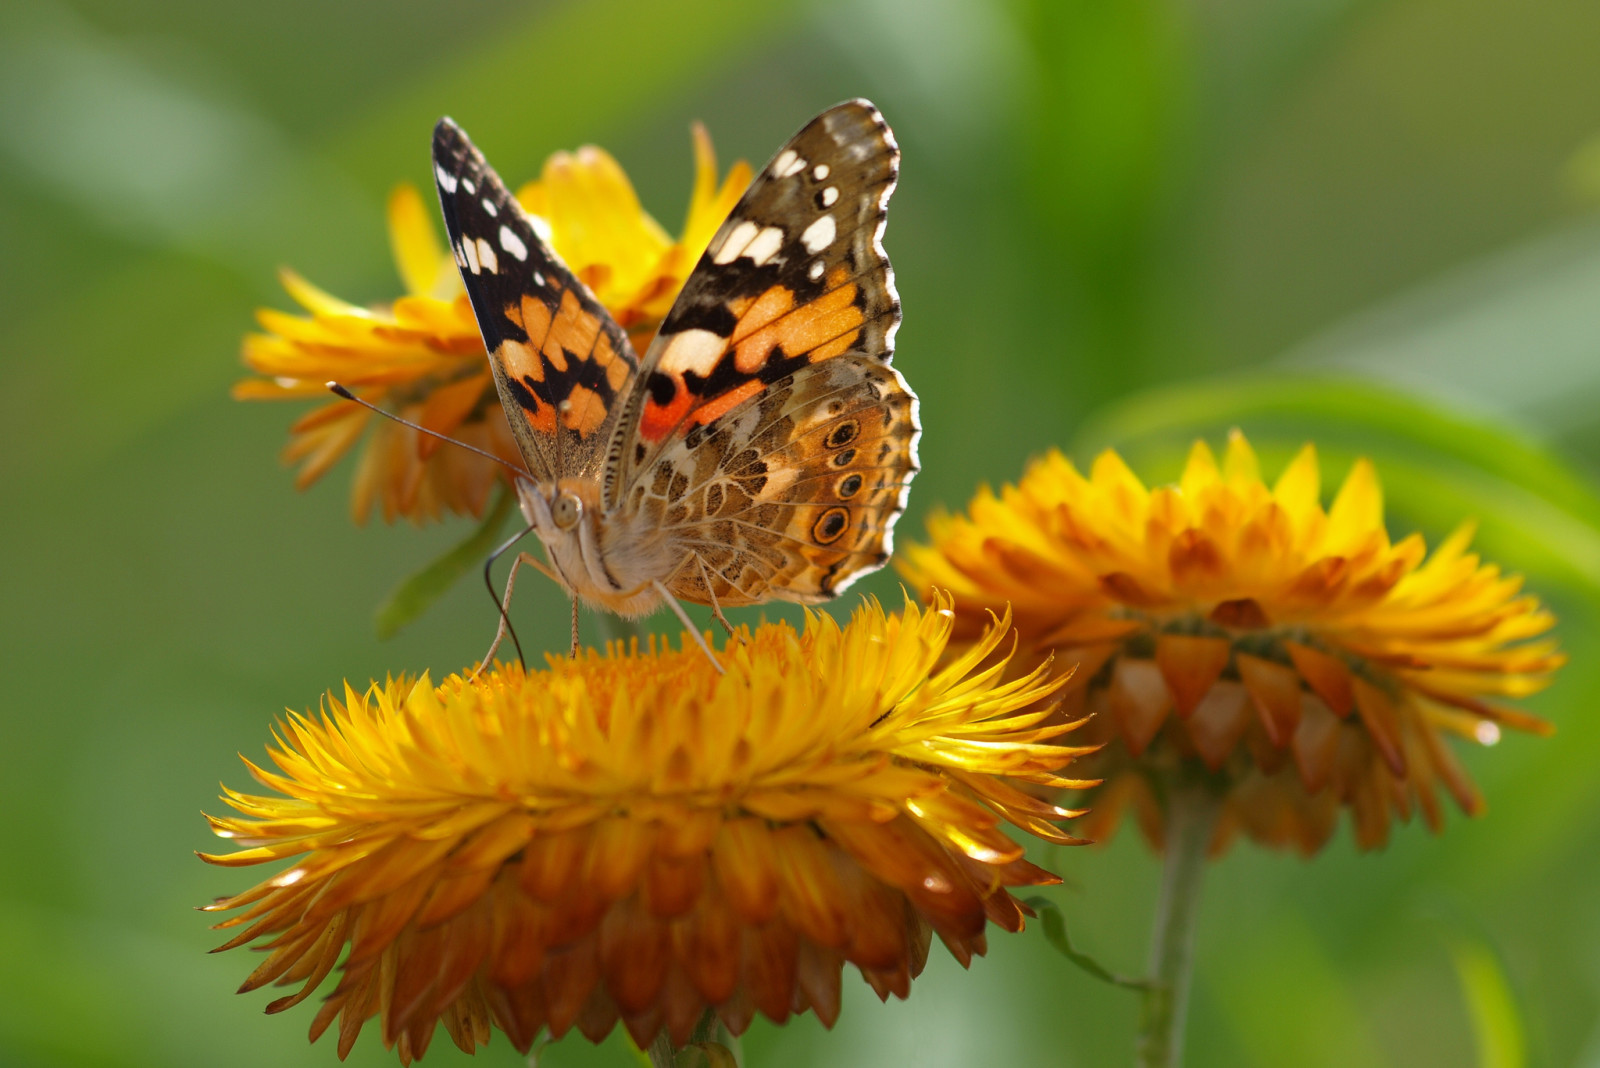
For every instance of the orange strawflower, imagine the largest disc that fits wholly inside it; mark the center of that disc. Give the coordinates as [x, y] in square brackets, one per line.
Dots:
[422, 356]
[632, 836]
[1296, 656]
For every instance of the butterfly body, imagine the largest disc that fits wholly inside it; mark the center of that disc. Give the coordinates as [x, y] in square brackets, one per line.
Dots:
[763, 446]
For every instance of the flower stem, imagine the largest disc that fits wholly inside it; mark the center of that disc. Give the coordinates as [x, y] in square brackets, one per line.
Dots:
[1191, 816]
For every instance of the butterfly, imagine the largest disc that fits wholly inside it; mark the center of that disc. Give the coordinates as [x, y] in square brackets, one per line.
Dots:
[763, 446]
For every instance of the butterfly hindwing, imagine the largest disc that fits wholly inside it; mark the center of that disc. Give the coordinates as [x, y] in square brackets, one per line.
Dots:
[793, 496]
[561, 363]
[795, 276]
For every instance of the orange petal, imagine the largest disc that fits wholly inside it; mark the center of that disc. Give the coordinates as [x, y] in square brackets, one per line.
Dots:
[1383, 723]
[808, 885]
[707, 946]
[1316, 743]
[1218, 721]
[550, 862]
[746, 868]
[1276, 690]
[1244, 613]
[634, 952]
[1327, 675]
[1190, 665]
[673, 884]
[768, 967]
[1140, 701]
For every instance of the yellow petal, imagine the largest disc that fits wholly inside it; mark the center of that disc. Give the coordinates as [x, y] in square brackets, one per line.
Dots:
[1357, 509]
[417, 251]
[1299, 488]
[1199, 472]
[1239, 465]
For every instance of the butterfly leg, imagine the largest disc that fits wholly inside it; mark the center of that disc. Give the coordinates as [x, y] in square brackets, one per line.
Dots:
[572, 654]
[716, 609]
[683, 617]
[504, 604]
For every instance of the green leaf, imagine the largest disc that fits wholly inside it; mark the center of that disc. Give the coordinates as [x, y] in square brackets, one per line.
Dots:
[1055, 930]
[1492, 1003]
[1439, 468]
[417, 593]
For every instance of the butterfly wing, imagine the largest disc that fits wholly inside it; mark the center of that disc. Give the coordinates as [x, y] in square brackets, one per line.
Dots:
[562, 365]
[766, 410]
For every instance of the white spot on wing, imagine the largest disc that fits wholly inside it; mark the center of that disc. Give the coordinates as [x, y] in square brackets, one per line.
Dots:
[538, 279]
[787, 163]
[820, 171]
[733, 246]
[819, 235]
[814, 272]
[765, 246]
[469, 249]
[829, 196]
[694, 350]
[487, 258]
[488, 206]
[512, 243]
[447, 181]
[466, 183]
[541, 227]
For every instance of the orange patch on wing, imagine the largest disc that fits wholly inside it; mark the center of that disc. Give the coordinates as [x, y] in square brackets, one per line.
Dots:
[807, 328]
[837, 347]
[585, 412]
[615, 367]
[519, 361]
[534, 320]
[659, 419]
[719, 406]
[573, 330]
[543, 420]
[763, 310]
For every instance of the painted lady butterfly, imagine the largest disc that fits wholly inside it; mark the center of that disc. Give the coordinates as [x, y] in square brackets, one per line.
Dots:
[763, 447]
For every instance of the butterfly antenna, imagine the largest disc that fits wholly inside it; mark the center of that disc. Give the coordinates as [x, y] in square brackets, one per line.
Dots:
[335, 387]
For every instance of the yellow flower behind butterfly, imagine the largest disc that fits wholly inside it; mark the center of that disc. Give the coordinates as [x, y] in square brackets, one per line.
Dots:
[1302, 662]
[422, 356]
[634, 836]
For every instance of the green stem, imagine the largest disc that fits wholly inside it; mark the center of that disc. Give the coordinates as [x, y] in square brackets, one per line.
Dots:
[1191, 817]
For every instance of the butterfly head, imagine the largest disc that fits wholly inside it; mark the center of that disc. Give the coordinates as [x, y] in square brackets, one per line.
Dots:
[559, 511]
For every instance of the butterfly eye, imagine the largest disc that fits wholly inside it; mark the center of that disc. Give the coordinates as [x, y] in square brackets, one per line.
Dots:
[566, 511]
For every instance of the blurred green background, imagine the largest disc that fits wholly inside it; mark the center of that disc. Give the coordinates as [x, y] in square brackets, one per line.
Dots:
[1120, 222]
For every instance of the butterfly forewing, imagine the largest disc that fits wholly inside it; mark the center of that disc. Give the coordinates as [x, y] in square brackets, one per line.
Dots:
[561, 363]
[766, 431]
[796, 275]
